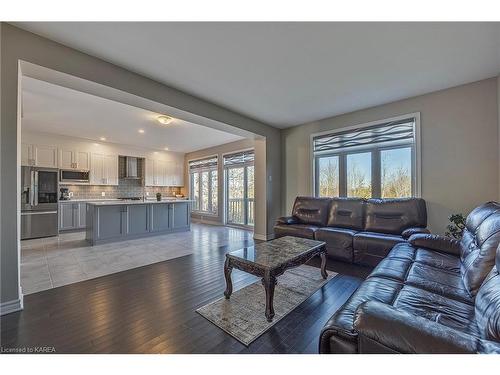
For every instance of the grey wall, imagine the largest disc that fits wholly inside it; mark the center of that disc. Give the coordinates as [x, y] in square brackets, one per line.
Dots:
[18, 45]
[460, 142]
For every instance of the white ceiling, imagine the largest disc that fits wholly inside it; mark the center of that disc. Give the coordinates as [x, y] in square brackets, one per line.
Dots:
[55, 109]
[286, 74]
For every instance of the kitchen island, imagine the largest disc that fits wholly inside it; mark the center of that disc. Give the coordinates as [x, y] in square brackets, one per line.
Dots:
[110, 221]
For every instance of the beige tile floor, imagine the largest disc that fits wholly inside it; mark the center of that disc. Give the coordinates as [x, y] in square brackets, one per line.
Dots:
[56, 261]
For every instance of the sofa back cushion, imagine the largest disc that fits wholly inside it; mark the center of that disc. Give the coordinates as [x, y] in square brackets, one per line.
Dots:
[393, 216]
[479, 242]
[310, 210]
[347, 213]
[487, 305]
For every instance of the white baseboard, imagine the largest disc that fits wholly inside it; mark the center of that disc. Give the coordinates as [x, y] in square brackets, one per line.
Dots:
[263, 237]
[11, 306]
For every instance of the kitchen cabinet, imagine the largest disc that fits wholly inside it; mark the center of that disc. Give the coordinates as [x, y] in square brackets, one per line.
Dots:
[72, 215]
[116, 221]
[38, 155]
[164, 173]
[104, 169]
[74, 159]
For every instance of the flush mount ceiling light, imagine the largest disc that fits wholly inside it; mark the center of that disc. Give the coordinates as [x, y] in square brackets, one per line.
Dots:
[141, 131]
[166, 148]
[164, 120]
[102, 138]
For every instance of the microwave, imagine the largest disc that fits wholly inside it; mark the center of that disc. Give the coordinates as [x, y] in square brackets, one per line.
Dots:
[70, 176]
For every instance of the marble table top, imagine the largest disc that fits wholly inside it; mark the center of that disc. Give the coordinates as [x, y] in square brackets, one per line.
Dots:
[274, 253]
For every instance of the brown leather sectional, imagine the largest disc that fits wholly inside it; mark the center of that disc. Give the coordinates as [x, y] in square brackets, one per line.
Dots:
[431, 294]
[355, 230]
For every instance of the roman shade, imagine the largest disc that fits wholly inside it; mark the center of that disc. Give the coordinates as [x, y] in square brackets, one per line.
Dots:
[203, 164]
[394, 133]
[242, 157]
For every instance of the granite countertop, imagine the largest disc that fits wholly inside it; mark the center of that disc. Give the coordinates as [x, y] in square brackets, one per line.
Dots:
[88, 200]
[132, 202]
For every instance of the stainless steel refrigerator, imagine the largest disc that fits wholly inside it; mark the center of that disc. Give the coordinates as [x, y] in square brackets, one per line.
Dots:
[39, 207]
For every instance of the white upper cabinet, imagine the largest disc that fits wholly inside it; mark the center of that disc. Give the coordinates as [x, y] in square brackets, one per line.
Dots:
[149, 173]
[74, 159]
[179, 173]
[164, 173]
[27, 154]
[82, 159]
[111, 169]
[39, 155]
[104, 169]
[66, 159]
[97, 170]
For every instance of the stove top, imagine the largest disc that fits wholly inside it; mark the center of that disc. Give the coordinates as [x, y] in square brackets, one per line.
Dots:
[130, 198]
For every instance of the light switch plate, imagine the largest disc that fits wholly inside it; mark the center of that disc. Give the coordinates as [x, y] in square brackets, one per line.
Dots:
[103, 194]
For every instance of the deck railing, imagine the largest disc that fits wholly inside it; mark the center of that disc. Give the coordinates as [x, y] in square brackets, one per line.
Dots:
[236, 210]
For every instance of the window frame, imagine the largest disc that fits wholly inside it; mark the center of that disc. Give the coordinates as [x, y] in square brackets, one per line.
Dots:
[210, 187]
[376, 164]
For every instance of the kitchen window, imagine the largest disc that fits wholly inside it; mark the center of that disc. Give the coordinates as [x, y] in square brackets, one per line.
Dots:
[203, 185]
[379, 160]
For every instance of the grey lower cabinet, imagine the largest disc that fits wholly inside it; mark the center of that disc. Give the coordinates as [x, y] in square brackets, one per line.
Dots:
[115, 222]
[72, 215]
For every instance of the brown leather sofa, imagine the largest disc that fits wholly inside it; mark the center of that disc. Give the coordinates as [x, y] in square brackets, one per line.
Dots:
[432, 294]
[355, 230]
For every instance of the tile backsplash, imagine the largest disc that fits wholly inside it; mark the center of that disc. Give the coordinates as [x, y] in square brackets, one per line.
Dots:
[125, 188]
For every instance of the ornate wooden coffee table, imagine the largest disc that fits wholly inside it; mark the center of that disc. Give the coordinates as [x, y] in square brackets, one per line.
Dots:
[270, 260]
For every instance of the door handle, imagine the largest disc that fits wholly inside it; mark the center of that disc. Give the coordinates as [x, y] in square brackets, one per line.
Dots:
[32, 188]
[36, 188]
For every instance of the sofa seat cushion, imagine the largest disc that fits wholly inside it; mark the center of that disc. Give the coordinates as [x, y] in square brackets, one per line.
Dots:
[372, 289]
[445, 283]
[424, 256]
[440, 309]
[338, 242]
[297, 230]
[371, 247]
[403, 264]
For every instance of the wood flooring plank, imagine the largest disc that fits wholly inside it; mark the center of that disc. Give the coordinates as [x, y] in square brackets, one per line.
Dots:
[152, 309]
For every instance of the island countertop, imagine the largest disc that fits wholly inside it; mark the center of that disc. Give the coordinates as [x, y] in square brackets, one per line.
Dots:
[133, 202]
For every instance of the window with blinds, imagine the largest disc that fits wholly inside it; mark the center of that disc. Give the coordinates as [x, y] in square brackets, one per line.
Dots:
[203, 177]
[368, 161]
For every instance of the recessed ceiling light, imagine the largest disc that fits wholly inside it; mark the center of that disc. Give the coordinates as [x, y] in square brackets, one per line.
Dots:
[164, 120]
[141, 131]
[166, 148]
[102, 138]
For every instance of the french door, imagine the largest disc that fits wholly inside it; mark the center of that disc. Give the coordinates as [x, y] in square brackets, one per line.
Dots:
[239, 181]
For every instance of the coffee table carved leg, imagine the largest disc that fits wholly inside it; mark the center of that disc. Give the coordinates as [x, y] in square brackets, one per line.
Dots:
[227, 274]
[324, 275]
[269, 282]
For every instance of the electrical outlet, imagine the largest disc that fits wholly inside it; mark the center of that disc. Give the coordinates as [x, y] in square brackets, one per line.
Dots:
[103, 194]
[147, 193]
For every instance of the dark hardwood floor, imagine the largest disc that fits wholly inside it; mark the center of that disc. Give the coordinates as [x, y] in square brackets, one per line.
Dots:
[151, 309]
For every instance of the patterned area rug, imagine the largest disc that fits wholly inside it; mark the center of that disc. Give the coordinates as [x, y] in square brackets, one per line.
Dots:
[243, 317]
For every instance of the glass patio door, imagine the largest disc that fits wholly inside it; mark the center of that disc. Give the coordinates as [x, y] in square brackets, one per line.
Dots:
[239, 178]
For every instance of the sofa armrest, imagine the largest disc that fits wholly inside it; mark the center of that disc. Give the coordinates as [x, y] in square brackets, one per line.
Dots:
[287, 220]
[414, 230]
[383, 328]
[436, 242]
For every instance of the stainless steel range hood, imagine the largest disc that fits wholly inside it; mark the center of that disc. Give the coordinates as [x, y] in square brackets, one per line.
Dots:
[131, 168]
